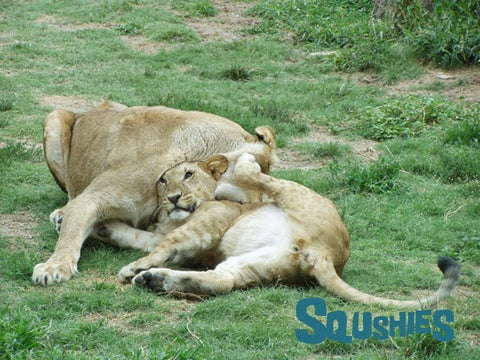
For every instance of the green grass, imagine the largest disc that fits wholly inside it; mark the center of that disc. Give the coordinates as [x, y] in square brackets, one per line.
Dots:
[418, 201]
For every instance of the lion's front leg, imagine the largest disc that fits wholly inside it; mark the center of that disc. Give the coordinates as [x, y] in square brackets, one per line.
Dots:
[79, 217]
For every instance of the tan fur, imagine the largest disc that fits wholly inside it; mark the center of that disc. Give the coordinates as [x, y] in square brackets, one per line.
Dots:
[109, 160]
[296, 238]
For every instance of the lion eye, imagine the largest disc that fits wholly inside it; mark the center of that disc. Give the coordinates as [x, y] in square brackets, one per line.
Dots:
[188, 175]
[163, 180]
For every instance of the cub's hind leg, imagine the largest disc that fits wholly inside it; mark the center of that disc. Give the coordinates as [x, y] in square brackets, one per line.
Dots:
[252, 269]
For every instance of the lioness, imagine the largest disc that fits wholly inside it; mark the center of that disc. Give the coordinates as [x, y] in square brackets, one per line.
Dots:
[108, 161]
[295, 237]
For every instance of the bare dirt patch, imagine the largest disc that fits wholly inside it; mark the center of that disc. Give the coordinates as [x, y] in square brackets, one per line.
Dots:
[226, 25]
[458, 84]
[126, 321]
[74, 104]
[19, 225]
[141, 43]
[291, 158]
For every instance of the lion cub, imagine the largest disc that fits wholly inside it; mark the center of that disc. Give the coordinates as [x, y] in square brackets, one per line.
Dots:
[295, 237]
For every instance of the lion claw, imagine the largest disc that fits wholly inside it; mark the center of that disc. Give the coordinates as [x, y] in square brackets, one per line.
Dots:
[50, 273]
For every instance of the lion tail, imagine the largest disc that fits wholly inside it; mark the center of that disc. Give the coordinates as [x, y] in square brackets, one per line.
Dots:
[325, 273]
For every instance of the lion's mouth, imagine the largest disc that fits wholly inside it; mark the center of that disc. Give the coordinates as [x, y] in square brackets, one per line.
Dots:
[191, 208]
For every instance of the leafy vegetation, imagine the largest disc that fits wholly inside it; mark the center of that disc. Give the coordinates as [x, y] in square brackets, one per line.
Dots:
[449, 35]
[410, 116]
[420, 199]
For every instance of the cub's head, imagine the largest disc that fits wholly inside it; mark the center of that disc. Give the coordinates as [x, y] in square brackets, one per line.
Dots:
[184, 187]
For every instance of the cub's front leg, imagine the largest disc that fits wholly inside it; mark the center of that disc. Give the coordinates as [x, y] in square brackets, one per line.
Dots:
[202, 231]
[125, 236]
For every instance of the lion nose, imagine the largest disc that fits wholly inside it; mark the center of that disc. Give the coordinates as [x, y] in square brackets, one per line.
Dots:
[174, 198]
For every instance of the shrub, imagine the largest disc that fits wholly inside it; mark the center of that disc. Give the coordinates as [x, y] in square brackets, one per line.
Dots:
[459, 164]
[466, 132]
[404, 117]
[5, 105]
[449, 36]
[237, 73]
[130, 29]
[205, 8]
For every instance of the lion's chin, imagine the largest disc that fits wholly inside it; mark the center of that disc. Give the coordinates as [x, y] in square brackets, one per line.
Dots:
[179, 214]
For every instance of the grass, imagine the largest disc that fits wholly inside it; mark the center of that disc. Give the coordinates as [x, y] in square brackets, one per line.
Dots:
[418, 201]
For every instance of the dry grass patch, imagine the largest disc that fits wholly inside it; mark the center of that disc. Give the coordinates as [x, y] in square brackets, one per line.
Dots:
[19, 225]
[455, 84]
[75, 104]
[227, 25]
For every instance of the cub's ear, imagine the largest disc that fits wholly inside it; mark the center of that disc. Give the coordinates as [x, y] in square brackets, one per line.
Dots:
[267, 135]
[215, 166]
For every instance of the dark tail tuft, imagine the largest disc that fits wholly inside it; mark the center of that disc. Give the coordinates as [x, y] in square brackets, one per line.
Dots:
[449, 267]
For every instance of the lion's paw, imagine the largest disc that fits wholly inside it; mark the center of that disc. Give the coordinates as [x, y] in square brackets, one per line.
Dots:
[245, 167]
[56, 218]
[49, 273]
[157, 280]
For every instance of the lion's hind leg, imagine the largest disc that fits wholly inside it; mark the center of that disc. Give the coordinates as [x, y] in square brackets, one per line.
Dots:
[57, 133]
[56, 218]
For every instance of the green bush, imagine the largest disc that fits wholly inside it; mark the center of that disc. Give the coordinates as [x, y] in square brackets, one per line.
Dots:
[459, 164]
[466, 132]
[5, 104]
[130, 29]
[237, 73]
[448, 163]
[404, 117]
[449, 36]
[205, 8]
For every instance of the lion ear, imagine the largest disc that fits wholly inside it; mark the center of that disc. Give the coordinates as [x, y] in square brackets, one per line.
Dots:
[215, 166]
[267, 135]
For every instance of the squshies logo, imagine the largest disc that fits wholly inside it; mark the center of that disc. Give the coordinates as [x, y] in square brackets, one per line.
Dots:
[334, 324]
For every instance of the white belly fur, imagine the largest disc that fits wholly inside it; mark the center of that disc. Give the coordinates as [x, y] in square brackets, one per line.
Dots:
[265, 229]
